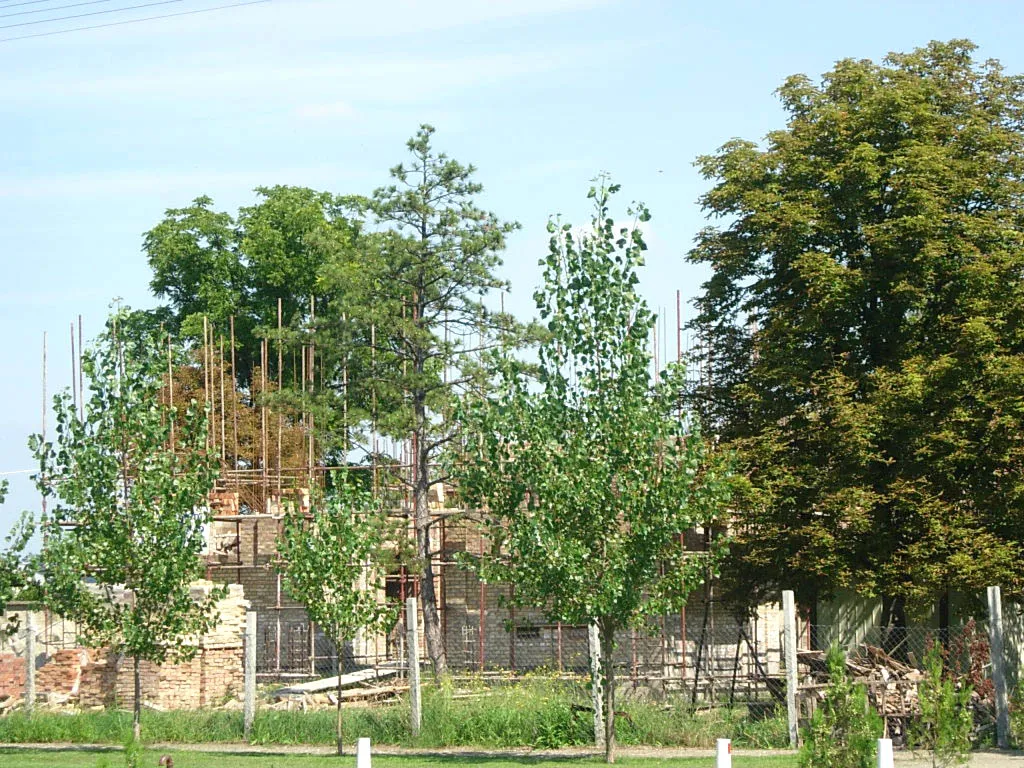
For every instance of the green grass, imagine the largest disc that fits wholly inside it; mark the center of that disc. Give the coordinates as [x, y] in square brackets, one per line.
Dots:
[538, 712]
[83, 759]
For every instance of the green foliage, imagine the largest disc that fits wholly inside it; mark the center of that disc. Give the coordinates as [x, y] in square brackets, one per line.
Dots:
[124, 532]
[861, 329]
[538, 711]
[591, 472]
[210, 264]
[944, 728]
[133, 752]
[844, 730]
[411, 315]
[16, 567]
[334, 562]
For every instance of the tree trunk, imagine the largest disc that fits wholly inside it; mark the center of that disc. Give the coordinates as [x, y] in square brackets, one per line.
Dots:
[428, 597]
[596, 693]
[608, 660]
[137, 706]
[341, 749]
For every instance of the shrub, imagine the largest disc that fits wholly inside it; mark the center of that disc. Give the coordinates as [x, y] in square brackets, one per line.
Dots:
[944, 728]
[844, 730]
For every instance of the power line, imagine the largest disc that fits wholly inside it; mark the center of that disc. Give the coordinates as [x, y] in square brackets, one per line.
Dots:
[6, 5]
[91, 13]
[132, 21]
[47, 10]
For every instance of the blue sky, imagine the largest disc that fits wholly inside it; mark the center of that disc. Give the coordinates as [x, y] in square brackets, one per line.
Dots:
[102, 130]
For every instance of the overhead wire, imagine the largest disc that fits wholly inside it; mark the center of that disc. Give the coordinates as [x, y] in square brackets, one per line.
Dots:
[131, 21]
[48, 10]
[5, 5]
[91, 13]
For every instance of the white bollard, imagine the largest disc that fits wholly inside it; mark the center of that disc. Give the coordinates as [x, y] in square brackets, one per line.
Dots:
[363, 753]
[723, 753]
[885, 753]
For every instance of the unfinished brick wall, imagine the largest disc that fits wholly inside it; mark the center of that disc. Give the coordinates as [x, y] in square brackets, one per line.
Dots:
[12, 675]
[98, 678]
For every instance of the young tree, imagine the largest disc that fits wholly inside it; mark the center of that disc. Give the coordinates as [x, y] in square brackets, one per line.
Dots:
[861, 330]
[15, 568]
[844, 730]
[335, 561]
[124, 535]
[944, 728]
[591, 473]
[411, 313]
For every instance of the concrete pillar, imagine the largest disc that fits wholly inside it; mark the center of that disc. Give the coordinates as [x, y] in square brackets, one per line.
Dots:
[789, 641]
[413, 646]
[995, 637]
[249, 704]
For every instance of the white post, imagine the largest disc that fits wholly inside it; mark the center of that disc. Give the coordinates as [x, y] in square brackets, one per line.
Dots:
[723, 753]
[413, 646]
[596, 689]
[363, 752]
[249, 704]
[995, 637]
[30, 661]
[885, 759]
[789, 643]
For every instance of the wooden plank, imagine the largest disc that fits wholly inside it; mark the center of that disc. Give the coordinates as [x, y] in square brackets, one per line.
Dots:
[331, 683]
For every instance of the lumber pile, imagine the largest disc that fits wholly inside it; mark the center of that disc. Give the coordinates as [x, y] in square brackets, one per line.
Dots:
[363, 687]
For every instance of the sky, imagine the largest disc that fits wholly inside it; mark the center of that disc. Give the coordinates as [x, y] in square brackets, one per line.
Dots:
[102, 130]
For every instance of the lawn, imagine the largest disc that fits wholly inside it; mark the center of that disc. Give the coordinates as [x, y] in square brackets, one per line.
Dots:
[33, 758]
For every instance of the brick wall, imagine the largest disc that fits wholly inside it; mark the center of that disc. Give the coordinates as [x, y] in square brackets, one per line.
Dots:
[12, 675]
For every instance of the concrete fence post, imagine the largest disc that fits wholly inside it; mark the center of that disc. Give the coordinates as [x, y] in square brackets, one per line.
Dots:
[723, 753]
[995, 637]
[30, 661]
[363, 753]
[413, 651]
[249, 704]
[885, 758]
[789, 644]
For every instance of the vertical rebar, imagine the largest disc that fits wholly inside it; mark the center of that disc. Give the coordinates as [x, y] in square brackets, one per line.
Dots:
[81, 376]
[234, 405]
[74, 383]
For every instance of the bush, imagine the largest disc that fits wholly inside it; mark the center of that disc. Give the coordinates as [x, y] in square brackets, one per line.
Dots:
[944, 728]
[844, 730]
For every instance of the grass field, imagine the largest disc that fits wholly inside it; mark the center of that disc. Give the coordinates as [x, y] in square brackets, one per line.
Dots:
[537, 713]
[184, 759]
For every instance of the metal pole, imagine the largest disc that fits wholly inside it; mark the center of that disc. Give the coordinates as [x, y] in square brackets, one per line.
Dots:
[789, 642]
[249, 706]
[30, 661]
[413, 645]
[995, 634]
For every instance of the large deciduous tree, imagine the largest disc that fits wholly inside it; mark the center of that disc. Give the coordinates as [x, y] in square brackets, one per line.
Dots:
[411, 313]
[124, 535]
[861, 331]
[588, 469]
[208, 263]
[334, 562]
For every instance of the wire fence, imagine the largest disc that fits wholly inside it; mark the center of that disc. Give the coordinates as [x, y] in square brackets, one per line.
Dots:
[706, 656]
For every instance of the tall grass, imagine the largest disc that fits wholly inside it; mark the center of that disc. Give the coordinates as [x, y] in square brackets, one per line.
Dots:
[538, 712]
